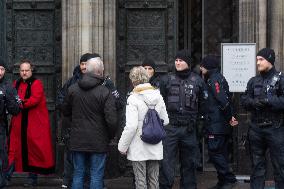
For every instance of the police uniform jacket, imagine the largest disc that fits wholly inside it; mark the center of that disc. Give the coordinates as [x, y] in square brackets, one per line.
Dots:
[268, 87]
[219, 108]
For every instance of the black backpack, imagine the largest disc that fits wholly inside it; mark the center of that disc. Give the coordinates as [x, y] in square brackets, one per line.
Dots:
[153, 128]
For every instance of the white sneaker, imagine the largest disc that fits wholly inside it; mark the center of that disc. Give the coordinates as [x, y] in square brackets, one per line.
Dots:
[64, 186]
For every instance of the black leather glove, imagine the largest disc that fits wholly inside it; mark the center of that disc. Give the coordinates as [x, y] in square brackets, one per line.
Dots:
[110, 85]
[260, 102]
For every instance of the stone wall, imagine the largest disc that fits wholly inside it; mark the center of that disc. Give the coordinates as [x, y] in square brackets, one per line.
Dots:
[88, 26]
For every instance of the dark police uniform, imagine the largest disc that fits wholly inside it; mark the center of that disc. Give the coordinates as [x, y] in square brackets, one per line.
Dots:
[264, 98]
[8, 104]
[183, 92]
[219, 113]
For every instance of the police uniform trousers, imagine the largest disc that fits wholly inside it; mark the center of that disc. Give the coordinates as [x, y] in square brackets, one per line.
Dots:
[3, 155]
[179, 140]
[260, 140]
[218, 153]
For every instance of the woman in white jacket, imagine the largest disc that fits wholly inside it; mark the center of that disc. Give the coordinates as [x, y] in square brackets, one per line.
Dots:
[145, 157]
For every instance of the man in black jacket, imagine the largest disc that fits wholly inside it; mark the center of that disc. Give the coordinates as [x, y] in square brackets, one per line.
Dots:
[65, 121]
[9, 102]
[65, 130]
[219, 116]
[264, 98]
[94, 120]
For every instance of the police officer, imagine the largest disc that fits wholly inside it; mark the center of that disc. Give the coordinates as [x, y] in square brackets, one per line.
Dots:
[264, 98]
[9, 103]
[183, 92]
[219, 115]
[150, 66]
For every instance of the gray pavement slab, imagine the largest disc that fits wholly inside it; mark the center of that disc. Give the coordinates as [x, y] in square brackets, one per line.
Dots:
[205, 180]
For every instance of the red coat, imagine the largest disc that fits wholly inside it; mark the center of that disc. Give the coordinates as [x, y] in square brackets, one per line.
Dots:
[30, 139]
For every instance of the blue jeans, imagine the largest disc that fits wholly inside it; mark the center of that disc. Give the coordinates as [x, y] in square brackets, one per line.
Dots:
[97, 166]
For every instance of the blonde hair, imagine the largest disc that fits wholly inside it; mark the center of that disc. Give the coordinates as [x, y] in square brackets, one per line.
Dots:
[138, 75]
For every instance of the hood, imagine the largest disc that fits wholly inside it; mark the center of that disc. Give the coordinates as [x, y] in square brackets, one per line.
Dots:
[90, 81]
[147, 93]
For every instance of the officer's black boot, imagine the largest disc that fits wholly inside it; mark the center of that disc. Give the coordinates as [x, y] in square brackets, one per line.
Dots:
[217, 186]
[228, 185]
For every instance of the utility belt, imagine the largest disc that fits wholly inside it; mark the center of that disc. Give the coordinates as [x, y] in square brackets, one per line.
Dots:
[265, 123]
[181, 121]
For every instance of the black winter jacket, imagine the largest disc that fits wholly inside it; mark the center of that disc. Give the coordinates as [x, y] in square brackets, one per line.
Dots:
[259, 87]
[92, 108]
[77, 75]
[219, 105]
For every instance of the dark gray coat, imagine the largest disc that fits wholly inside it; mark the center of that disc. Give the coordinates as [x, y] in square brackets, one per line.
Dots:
[92, 108]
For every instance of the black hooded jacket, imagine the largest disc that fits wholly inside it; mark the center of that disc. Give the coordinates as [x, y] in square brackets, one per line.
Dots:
[92, 108]
[77, 75]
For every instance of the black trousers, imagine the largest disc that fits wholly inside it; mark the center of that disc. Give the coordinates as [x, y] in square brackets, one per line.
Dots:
[218, 153]
[179, 140]
[260, 140]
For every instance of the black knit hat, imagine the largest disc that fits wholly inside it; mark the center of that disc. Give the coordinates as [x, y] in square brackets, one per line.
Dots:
[2, 63]
[184, 55]
[210, 62]
[149, 62]
[87, 56]
[268, 54]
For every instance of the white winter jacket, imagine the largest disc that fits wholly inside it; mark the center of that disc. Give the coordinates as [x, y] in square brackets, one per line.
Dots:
[136, 109]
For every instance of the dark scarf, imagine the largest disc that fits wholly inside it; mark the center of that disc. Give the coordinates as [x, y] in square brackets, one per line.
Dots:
[183, 74]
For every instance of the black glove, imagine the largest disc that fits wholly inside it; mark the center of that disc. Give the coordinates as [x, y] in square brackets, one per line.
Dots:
[260, 102]
[110, 85]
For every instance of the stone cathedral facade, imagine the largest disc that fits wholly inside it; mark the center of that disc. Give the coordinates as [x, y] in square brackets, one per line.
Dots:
[55, 33]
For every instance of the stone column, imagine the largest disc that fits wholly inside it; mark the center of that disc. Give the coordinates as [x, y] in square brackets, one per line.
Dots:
[88, 26]
[253, 22]
[276, 31]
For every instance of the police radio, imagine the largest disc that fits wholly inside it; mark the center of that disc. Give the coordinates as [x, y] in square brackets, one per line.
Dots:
[272, 84]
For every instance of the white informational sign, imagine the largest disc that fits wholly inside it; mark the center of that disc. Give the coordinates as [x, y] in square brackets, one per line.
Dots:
[238, 64]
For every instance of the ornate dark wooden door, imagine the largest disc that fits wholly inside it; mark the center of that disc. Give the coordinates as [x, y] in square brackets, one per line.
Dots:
[145, 28]
[2, 29]
[33, 31]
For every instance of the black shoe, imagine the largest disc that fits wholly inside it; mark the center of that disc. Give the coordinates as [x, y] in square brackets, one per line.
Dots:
[30, 184]
[217, 186]
[229, 185]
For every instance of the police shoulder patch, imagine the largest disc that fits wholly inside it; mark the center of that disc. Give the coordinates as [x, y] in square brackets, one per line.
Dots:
[217, 87]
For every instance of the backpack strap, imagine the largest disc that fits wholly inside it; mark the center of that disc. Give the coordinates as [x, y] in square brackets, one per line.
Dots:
[275, 79]
[148, 105]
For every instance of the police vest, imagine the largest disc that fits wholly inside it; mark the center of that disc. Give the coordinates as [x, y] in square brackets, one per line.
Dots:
[263, 88]
[182, 98]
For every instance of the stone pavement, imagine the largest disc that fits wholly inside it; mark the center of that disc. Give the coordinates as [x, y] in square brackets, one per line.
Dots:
[205, 180]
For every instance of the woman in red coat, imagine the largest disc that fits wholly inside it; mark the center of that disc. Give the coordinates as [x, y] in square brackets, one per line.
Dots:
[31, 147]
